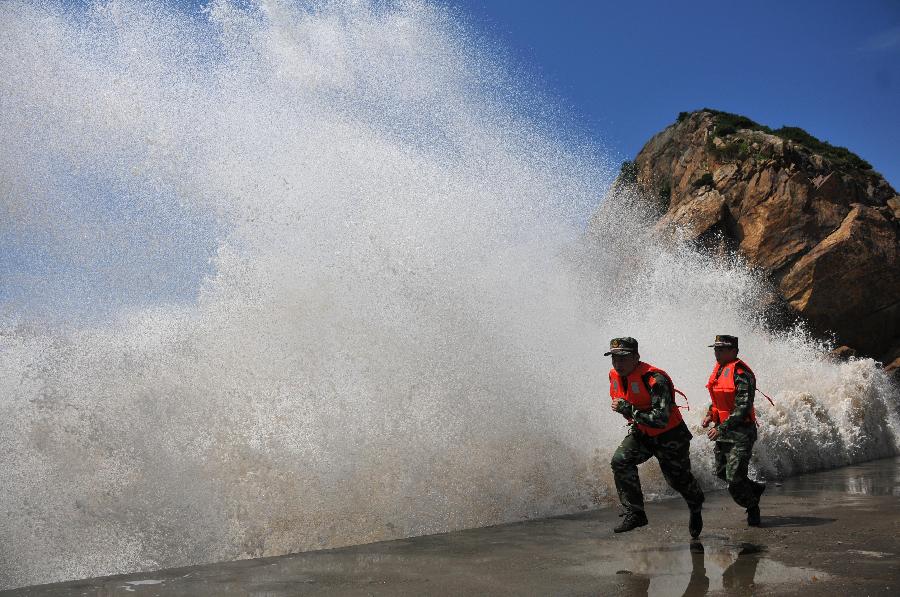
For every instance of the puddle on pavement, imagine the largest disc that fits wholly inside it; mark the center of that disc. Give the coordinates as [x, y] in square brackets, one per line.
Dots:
[700, 568]
[865, 479]
[870, 554]
[131, 584]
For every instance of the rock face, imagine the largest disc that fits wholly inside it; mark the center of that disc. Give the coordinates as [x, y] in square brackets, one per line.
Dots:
[817, 218]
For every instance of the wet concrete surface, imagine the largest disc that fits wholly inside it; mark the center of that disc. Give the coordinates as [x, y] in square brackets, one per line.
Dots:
[834, 532]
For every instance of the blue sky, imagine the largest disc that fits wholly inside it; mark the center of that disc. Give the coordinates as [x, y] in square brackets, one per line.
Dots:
[624, 70]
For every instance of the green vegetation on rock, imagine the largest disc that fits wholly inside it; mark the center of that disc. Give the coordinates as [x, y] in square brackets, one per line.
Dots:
[727, 124]
[837, 154]
[736, 150]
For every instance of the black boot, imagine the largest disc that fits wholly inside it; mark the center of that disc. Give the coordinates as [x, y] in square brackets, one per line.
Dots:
[696, 524]
[753, 518]
[631, 521]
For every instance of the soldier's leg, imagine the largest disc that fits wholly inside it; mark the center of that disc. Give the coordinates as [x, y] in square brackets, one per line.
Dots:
[630, 453]
[742, 489]
[674, 456]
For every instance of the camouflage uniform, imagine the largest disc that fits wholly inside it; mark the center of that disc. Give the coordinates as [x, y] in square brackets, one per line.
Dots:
[735, 444]
[672, 450]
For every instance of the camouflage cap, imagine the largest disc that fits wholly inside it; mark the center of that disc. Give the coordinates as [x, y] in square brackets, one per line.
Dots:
[626, 345]
[725, 340]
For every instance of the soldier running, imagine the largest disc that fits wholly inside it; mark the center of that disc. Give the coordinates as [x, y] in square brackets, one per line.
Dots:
[732, 386]
[645, 396]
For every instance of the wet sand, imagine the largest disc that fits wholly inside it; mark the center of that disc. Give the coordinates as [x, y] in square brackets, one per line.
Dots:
[834, 532]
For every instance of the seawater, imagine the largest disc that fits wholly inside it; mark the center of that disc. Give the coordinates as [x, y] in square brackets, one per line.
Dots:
[285, 276]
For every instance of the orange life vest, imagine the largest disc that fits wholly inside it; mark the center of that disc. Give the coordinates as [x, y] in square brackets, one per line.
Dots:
[636, 391]
[722, 390]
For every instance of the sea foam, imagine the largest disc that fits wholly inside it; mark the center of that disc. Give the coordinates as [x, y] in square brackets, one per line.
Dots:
[281, 277]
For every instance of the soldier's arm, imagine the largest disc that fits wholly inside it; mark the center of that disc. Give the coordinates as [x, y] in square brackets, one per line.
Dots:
[745, 386]
[661, 404]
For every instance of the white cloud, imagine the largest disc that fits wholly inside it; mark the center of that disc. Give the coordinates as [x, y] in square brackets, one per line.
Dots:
[883, 41]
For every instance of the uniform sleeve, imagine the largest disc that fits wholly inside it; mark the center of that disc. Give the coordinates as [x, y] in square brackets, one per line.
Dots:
[745, 388]
[661, 403]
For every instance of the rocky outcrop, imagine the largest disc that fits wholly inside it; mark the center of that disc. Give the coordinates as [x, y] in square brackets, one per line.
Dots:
[817, 218]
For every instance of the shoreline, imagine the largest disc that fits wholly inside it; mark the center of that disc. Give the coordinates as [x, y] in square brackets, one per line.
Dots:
[834, 531]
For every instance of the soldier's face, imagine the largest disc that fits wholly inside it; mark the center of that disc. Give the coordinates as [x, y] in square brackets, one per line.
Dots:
[625, 363]
[725, 354]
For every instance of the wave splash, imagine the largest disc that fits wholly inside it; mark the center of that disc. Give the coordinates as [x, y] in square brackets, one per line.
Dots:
[294, 276]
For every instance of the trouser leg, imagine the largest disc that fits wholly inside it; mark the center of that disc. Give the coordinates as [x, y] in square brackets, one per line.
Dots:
[630, 453]
[743, 490]
[720, 454]
[674, 458]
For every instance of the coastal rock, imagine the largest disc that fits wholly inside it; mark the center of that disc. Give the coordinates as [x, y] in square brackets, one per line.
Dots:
[893, 367]
[891, 360]
[843, 353]
[698, 218]
[816, 218]
[894, 205]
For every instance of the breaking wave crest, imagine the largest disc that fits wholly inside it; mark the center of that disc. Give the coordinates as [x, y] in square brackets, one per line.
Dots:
[294, 276]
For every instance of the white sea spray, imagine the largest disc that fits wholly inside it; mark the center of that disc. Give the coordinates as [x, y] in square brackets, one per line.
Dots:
[300, 276]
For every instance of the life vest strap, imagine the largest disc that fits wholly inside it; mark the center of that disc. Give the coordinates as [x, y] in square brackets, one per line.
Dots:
[766, 396]
[687, 404]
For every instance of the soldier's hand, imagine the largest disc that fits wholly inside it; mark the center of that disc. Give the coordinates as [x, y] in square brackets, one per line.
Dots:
[706, 421]
[713, 433]
[622, 407]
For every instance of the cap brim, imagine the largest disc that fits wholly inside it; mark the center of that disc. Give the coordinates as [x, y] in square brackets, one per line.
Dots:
[619, 351]
[718, 344]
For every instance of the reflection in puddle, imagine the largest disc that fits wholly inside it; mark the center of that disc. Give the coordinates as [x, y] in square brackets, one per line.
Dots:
[699, 581]
[869, 486]
[870, 554]
[130, 584]
[865, 479]
[697, 569]
[740, 576]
